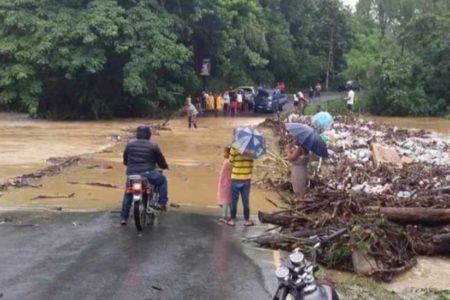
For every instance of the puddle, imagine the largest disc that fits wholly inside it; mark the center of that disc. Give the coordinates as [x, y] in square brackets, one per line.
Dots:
[429, 272]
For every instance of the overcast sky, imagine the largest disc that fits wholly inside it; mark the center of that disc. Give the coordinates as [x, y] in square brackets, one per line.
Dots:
[350, 2]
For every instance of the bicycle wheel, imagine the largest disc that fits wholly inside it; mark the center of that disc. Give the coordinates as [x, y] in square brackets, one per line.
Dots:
[140, 215]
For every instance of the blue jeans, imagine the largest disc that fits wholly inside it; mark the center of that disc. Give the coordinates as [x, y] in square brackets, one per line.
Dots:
[240, 187]
[155, 178]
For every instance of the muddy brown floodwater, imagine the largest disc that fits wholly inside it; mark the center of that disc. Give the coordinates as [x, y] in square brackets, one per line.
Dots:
[437, 125]
[195, 158]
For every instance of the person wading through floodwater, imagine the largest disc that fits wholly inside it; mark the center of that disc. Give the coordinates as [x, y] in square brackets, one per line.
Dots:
[142, 157]
[192, 114]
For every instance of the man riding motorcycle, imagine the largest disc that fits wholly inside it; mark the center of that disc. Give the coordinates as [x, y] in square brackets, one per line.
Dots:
[143, 157]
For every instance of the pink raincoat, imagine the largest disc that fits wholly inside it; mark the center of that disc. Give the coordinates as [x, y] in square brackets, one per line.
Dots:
[224, 187]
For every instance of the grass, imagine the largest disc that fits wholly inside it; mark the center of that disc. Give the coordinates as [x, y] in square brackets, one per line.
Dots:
[337, 107]
[334, 107]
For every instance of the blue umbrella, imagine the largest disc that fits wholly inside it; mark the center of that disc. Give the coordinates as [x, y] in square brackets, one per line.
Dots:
[308, 138]
[322, 120]
[249, 142]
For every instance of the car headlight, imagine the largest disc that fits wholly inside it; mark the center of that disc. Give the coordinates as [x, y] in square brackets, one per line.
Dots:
[270, 98]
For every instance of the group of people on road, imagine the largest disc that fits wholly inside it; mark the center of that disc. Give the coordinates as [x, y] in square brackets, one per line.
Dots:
[230, 102]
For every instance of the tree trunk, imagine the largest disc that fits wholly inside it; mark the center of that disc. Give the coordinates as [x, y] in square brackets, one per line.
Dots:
[281, 219]
[415, 215]
[330, 60]
[271, 240]
[440, 245]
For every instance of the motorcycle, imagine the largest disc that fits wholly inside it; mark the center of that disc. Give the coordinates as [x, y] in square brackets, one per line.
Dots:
[145, 200]
[296, 275]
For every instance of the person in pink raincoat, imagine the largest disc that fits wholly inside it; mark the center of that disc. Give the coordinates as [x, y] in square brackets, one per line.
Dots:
[224, 186]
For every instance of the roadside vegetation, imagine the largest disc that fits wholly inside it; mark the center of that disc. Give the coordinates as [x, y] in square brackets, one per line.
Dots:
[109, 58]
[338, 106]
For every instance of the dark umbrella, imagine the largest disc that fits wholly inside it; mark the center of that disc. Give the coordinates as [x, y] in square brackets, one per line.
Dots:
[308, 138]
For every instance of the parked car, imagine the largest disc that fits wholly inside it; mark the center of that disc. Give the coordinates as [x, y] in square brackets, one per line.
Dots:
[268, 100]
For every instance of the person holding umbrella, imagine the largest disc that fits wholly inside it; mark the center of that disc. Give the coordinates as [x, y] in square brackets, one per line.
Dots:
[298, 156]
[248, 145]
[305, 139]
[322, 120]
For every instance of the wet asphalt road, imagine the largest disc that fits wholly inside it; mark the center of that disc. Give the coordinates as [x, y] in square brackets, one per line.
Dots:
[89, 256]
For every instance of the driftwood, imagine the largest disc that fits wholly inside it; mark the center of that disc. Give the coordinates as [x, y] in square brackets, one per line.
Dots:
[281, 219]
[99, 167]
[272, 240]
[439, 244]
[32, 179]
[53, 196]
[415, 215]
[101, 184]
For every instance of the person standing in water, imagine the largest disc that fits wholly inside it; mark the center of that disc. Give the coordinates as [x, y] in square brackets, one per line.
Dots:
[224, 186]
[192, 114]
[298, 156]
[241, 182]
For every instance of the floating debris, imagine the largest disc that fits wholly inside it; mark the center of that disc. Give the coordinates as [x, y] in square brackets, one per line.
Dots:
[53, 196]
[101, 184]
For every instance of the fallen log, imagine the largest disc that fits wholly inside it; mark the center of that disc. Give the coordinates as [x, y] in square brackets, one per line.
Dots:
[99, 167]
[32, 179]
[415, 215]
[270, 239]
[101, 184]
[281, 219]
[439, 244]
[53, 196]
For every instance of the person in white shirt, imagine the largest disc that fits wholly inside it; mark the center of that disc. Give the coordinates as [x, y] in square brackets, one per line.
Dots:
[226, 103]
[350, 99]
[192, 114]
[295, 101]
[239, 100]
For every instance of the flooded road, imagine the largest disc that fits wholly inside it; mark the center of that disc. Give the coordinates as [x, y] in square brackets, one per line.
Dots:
[194, 156]
[437, 125]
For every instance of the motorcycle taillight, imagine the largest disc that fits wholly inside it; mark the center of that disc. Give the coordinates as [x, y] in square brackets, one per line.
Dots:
[136, 187]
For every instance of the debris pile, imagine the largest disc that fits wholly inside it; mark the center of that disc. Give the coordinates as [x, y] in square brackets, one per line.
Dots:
[59, 165]
[389, 186]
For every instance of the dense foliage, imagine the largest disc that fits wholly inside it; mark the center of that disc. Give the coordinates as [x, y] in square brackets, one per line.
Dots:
[402, 56]
[117, 58]
[107, 58]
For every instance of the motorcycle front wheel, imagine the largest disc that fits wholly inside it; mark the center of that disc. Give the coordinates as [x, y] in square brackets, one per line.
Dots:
[284, 294]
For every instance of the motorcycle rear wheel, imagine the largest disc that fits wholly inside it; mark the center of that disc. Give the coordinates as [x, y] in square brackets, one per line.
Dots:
[140, 214]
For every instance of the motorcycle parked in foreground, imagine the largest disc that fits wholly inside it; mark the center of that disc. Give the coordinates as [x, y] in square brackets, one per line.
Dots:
[145, 200]
[296, 279]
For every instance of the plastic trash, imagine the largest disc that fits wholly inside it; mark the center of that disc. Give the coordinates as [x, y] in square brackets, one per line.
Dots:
[403, 194]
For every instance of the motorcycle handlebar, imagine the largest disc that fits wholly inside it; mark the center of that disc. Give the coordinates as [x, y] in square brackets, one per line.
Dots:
[328, 239]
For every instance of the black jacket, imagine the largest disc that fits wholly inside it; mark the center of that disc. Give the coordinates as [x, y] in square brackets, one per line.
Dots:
[141, 155]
